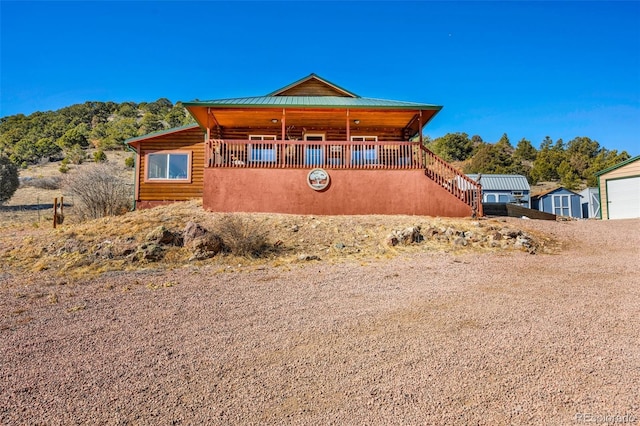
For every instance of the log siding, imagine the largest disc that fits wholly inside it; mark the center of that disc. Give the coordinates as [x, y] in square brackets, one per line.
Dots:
[187, 141]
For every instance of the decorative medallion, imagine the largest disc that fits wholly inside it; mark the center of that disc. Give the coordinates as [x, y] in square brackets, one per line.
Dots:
[318, 179]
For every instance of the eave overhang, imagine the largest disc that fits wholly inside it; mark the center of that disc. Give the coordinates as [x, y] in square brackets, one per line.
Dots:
[328, 111]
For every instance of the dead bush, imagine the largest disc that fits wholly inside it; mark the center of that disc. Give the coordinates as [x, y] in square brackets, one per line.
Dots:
[243, 236]
[98, 191]
[50, 182]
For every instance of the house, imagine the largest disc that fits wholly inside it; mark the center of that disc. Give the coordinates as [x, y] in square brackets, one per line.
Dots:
[311, 147]
[559, 201]
[620, 190]
[512, 189]
[590, 203]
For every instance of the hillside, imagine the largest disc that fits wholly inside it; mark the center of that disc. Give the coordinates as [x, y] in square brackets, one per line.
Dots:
[69, 132]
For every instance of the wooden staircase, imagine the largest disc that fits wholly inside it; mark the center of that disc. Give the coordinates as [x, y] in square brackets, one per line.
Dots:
[455, 182]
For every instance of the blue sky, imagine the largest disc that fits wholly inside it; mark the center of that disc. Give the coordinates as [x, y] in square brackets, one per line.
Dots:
[528, 69]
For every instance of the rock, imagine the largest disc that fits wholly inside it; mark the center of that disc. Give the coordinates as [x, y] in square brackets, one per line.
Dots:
[295, 228]
[405, 236]
[149, 253]
[203, 243]
[431, 232]
[392, 240]
[206, 247]
[162, 235]
[307, 257]
[460, 241]
[339, 246]
[193, 230]
[496, 236]
[510, 233]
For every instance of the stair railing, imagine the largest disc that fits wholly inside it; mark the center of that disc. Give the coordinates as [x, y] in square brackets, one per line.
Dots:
[455, 182]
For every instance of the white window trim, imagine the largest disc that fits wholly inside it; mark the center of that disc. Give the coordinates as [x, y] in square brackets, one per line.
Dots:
[322, 135]
[147, 179]
[361, 140]
[261, 138]
[555, 197]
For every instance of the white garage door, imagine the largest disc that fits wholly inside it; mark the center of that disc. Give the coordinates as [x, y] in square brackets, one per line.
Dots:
[623, 196]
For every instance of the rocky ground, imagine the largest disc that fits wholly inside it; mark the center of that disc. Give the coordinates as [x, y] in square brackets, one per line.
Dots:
[430, 335]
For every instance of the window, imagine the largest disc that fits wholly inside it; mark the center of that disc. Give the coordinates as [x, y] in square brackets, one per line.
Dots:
[364, 153]
[169, 166]
[262, 152]
[314, 154]
[490, 198]
[561, 205]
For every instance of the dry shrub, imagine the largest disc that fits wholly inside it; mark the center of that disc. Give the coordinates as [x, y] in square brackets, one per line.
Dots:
[98, 192]
[243, 236]
[50, 182]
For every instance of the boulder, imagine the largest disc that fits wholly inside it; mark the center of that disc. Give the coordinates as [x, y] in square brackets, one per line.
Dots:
[192, 231]
[206, 246]
[203, 243]
[162, 235]
[405, 236]
[150, 252]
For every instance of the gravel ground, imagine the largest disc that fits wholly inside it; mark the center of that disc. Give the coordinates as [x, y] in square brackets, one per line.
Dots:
[485, 338]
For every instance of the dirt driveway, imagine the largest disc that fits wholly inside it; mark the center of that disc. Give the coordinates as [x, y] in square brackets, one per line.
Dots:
[430, 338]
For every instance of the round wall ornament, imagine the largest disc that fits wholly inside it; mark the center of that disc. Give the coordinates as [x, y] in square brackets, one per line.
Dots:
[318, 179]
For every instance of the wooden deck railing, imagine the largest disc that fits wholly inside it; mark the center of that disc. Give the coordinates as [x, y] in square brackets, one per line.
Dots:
[454, 181]
[325, 154]
[344, 155]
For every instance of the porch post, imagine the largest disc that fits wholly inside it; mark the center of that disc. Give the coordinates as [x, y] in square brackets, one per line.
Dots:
[208, 155]
[283, 148]
[348, 127]
[420, 131]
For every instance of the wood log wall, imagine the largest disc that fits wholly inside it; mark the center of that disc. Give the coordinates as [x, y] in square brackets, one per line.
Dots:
[383, 134]
[187, 140]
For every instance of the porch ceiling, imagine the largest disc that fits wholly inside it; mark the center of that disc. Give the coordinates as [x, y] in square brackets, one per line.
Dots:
[326, 117]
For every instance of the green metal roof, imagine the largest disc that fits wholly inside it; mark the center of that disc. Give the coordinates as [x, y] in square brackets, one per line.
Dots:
[311, 102]
[616, 166]
[161, 132]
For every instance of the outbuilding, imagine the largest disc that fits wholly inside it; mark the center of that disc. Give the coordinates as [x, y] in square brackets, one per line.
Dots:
[559, 201]
[590, 203]
[504, 189]
[620, 190]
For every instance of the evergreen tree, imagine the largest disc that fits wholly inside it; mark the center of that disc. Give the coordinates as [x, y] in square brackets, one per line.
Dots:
[453, 147]
[9, 180]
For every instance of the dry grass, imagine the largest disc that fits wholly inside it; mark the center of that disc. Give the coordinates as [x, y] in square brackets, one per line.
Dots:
[32, 204]
[80, 249]
[278, 240]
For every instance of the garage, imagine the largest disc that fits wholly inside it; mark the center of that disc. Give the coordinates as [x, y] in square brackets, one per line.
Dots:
[620, 190]
[624, 198]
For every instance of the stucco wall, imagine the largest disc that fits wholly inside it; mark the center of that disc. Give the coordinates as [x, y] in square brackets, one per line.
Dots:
[350, 192]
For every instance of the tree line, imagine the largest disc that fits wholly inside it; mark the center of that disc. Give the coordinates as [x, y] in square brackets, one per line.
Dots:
[65, 133]
[573, 164]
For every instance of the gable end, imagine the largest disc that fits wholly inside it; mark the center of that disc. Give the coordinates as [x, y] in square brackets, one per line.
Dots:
[313, 86]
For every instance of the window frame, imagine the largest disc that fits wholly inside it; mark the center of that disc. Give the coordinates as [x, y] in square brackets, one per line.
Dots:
[362, 141]
[257, 154]
[557, 201]
[314, 154]
[168, 153]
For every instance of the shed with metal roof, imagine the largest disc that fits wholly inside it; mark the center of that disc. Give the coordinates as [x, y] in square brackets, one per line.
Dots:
[503, 188]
